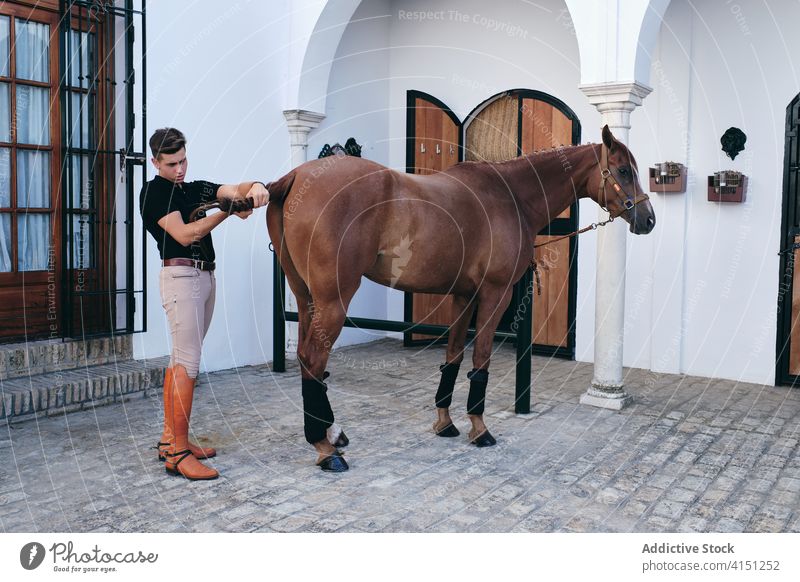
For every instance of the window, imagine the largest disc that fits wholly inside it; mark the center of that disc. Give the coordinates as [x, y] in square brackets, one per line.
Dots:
[26, 148]
[66, 135]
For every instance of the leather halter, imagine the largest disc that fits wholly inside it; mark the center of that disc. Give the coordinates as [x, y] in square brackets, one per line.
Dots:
[628, 204]
[607, 176]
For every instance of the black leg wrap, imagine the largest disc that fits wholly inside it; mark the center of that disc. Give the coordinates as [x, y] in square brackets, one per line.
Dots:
[444, 395]
[477, 391]
[317, 412]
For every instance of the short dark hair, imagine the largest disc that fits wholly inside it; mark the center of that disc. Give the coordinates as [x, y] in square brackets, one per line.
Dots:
[167, 140]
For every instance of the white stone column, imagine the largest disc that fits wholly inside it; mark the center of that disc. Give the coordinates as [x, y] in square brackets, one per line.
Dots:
[300, 123]
[615, 101]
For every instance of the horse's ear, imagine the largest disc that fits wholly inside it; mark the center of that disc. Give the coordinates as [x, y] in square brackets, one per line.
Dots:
[608, 139]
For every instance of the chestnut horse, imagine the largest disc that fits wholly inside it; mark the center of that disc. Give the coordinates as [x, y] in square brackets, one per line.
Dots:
[467, 231]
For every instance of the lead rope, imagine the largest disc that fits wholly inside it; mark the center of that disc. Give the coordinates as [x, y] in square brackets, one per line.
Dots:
[535, 266]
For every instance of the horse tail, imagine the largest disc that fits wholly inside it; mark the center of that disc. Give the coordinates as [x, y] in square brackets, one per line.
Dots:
[277, 194]
[279, 189]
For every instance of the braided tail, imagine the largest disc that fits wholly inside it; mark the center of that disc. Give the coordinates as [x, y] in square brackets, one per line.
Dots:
[278, 190]
[228, 205]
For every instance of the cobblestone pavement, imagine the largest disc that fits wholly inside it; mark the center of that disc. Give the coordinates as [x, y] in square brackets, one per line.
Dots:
[691, 454]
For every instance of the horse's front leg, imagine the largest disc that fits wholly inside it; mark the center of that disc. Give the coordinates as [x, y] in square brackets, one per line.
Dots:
[463, 308]
[492, 303]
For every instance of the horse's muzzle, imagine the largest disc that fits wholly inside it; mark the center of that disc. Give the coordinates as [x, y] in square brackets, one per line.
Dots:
[642, 218]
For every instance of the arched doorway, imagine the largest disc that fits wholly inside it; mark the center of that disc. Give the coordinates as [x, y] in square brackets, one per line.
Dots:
[788, 345]
[507, 125]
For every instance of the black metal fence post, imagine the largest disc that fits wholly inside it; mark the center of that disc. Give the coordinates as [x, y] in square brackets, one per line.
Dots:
[278, 316]
[522, 399]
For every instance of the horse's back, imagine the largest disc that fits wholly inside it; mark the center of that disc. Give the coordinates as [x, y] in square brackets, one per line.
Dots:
[431, 232]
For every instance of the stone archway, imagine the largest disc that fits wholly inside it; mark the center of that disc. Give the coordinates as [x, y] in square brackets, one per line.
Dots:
[316, 33]
[616, 45]
[317, 30]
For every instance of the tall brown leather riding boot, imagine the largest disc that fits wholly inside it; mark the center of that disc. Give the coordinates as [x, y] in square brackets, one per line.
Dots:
[167, 436]
[179, 458]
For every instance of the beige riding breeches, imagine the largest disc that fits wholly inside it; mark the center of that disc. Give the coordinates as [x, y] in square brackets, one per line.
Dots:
[187, 295]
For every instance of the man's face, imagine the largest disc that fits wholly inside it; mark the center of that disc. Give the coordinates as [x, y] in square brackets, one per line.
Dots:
[172, 167]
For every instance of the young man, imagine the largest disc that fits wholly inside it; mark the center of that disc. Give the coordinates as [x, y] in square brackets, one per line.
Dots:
[187, 285]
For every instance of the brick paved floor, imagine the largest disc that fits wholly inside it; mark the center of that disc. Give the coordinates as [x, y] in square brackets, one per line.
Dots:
[692, 454]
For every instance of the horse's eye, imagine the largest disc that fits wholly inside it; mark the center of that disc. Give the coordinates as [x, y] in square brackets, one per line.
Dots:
[624, 172]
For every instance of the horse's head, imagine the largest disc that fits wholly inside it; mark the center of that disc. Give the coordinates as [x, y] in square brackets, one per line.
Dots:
[617, 187]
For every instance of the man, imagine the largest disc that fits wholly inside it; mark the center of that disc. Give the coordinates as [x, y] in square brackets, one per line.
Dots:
[187, 285]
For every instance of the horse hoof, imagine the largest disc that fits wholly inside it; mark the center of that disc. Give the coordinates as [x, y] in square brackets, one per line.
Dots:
[342, 441]
[448, 432]
[334, 463]
[485, 439]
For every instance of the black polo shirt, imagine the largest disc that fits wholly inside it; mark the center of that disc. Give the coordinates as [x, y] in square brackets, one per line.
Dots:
[159, 197]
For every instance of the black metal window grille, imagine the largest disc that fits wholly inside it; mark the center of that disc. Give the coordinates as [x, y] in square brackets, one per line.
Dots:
[102, 153]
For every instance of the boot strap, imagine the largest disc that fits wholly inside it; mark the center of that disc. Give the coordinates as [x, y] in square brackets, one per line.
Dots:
[182, 454]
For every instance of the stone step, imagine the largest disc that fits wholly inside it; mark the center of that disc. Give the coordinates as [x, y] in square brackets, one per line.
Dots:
[64, 391]
[39, 357]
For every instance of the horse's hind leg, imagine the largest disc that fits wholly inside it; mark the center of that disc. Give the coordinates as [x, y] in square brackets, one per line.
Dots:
[492, 302]
[296, 283]
[327, 320]
[314, 389]
[463, 308]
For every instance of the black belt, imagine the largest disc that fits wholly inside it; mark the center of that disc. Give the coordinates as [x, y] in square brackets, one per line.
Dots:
[201, 265]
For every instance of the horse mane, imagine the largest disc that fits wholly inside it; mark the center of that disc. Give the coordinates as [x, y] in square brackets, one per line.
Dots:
[537, 155]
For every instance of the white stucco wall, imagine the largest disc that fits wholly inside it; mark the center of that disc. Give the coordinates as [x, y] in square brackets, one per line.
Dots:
[711, 301]
[219, 74]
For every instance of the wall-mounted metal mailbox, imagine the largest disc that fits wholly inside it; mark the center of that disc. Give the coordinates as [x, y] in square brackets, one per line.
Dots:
[668, 177]
[727, 186]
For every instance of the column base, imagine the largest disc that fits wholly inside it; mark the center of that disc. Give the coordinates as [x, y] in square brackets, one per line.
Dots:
[610, 397]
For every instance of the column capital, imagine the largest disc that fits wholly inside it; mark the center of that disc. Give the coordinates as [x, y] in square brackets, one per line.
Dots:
[299, 119]
[300, 123]
[622, 95]
[616, 101]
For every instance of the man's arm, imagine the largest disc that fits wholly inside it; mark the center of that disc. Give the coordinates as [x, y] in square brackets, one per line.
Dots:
[186, 234]
[255, 190]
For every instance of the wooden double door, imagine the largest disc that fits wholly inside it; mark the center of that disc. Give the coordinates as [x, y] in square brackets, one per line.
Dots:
[503, 127]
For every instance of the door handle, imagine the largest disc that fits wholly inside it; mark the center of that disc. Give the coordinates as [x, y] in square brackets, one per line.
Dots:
[438, 149]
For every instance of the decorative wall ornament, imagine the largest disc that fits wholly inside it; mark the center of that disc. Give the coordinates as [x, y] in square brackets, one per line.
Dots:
[350, 148]
[733, 141]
